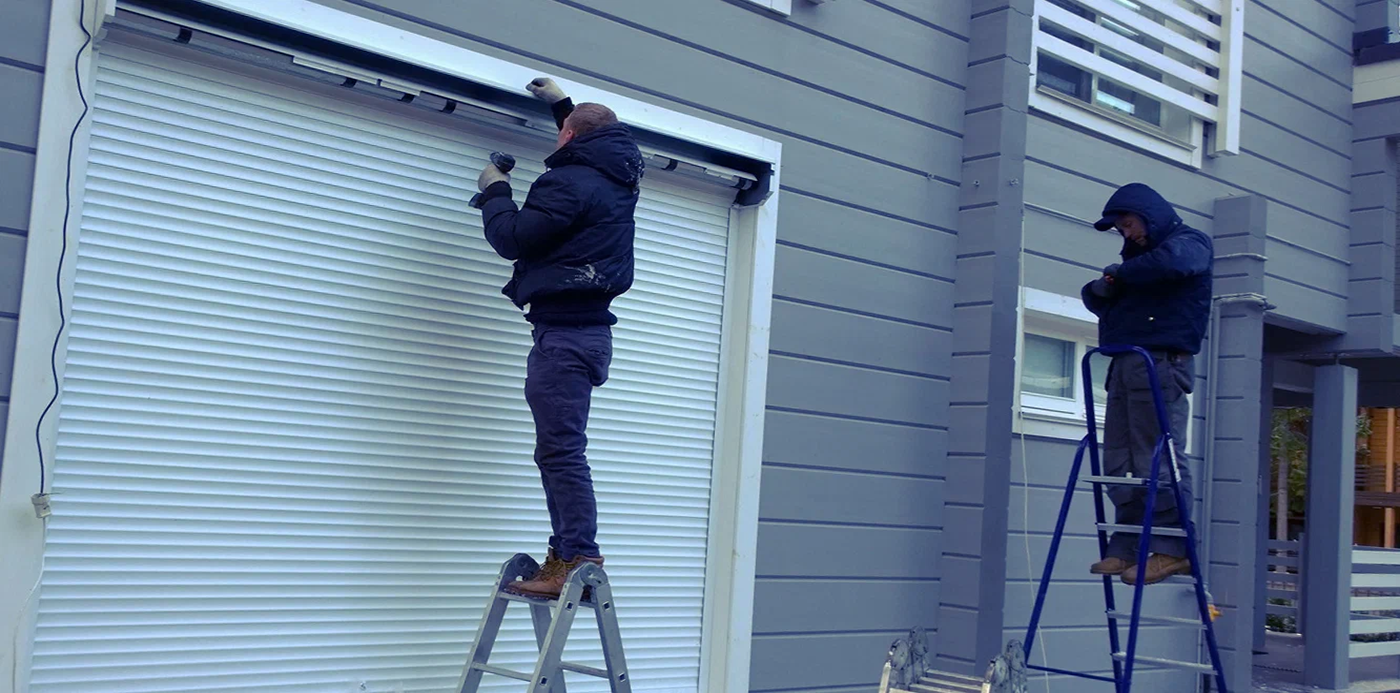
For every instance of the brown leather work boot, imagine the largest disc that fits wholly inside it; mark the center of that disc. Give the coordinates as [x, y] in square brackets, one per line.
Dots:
[1159, 567]
[549, 583]
[551, 562]
[1110, 566]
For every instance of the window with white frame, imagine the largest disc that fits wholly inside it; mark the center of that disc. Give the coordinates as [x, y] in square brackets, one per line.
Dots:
[1052, 378]
[783, 7]
[1160, 75]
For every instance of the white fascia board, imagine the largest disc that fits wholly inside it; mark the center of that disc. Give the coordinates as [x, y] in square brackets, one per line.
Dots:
[392, 42]
[1059, 305]
[1375, 82]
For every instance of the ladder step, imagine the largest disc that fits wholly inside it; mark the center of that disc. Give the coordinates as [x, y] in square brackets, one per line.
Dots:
[943, 682]
[582, 669]
[1193, 666]
[1117, 480]
[1165, 620]
[508, 596]
[930, 686]
[1137, 529]
[502, 671]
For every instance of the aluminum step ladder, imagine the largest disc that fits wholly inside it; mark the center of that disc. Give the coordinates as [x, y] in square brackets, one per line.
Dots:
[586, 587]
[1124, 661]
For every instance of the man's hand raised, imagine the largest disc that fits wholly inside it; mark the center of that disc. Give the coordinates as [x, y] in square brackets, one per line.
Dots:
[546, 90]
[490, 175]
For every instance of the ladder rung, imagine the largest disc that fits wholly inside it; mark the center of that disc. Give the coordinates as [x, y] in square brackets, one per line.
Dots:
[1165, 620]
[943, 678]
[535, 600]
[579, 668]
[941, 687]
[502, 671]
[1193, 666]
[1118, 480]
[1137, 529]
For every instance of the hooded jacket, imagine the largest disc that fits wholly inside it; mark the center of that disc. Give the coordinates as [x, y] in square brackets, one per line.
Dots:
[1162, 290]
[572, 240]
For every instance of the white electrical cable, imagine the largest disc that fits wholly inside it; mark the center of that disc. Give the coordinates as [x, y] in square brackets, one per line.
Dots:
[1021, 426]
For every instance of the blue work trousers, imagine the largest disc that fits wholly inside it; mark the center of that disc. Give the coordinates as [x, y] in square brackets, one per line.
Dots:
[564, 366]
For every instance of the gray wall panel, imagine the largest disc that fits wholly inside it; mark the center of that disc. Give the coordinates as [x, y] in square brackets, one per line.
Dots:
[801, 56]
[16, 186]
[923, 46]
[806, 385]
[842, 283]
[1306, 153]
[822, 441]
[7, 355]
[25, 32]
[818, 495]
[12, 249]
[1294, 113]
[846, 337]
[895, 553]
[867, 185]
[1286, 23]
[19, 111]
[1293, 71]
[952, 17]
[814, 222]
[814, 605]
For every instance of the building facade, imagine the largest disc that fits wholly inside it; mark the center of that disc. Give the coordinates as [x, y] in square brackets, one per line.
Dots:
[264, 428]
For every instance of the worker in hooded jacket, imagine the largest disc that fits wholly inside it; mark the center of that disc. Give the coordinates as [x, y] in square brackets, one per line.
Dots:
[572, 245]
[1157, 298]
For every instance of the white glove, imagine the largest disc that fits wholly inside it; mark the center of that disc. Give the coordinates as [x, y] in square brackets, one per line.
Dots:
[490, 175]
[546, 90]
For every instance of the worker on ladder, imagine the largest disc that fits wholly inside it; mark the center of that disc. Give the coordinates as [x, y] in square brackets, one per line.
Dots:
[572, 245]
[1157, 298]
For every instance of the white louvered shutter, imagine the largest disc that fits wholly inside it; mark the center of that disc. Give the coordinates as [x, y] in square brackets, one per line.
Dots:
[294, 448]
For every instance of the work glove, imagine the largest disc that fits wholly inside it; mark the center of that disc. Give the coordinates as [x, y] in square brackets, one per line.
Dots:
[546, 90]
[490, 175]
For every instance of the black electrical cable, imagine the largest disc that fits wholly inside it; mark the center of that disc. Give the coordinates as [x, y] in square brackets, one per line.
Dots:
[63, 231]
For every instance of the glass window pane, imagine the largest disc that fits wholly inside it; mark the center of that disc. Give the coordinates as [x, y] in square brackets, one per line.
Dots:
[1049, 367]
[1064, 78]
[1127, 101]
[1099, 367]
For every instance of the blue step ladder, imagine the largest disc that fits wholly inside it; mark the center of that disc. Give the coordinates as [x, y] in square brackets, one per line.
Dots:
[1124, 661]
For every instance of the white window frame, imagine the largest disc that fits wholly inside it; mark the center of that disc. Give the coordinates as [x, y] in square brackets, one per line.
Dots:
[1058, 317]
[733, 528]
[1224, 114]
[782, 7]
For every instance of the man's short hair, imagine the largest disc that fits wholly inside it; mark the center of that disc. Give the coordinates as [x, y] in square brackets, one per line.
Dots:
[588, 117]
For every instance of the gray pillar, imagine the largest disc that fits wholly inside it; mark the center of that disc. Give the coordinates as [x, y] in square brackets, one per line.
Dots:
[1261, 535]
[1331, 495]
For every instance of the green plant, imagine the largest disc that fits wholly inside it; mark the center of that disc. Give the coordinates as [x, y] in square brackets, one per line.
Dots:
[1289, 441]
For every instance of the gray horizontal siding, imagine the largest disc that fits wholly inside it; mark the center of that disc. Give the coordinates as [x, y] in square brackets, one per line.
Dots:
[867, 100]
[1295, 150]
[23, 42]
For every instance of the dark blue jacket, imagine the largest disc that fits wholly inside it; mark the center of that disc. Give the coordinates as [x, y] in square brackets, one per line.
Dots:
[572, 239]
[1162, 291]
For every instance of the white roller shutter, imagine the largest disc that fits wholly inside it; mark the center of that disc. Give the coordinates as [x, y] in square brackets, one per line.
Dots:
[294, 450]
